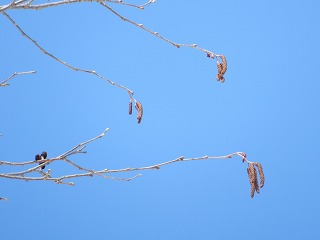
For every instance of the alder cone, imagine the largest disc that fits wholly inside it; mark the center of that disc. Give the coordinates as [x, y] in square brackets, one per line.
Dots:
[44, 154]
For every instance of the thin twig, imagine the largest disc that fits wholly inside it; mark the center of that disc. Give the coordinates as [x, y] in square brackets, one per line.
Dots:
[142, 6]
[90, 173]
[11, 5]
[93, 72]
[16, 163]
[178, 45]
[5, 82]
[71, 151]
[105, 173]
[28, 5]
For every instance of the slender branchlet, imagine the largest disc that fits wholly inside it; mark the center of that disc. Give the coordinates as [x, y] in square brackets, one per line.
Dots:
[42, 159]
[5, 82]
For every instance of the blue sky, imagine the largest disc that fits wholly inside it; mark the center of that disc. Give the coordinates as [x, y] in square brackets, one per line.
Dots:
[268, 107]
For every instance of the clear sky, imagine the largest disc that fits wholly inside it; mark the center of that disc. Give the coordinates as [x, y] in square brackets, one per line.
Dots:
[268, 107]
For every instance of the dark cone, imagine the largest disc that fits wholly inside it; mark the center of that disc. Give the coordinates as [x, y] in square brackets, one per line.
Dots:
[44, 154]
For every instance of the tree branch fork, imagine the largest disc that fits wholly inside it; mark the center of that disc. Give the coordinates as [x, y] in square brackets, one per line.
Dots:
[85, 172]
[47, 175]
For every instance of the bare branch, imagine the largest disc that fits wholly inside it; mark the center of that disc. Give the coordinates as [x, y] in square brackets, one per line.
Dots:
[78, 149]
[11, 5]
[103, 3]
[36, 172]
[130, 92]
[24, 4]
[80, 146]
[16, 163]
[132, 5]
[178, 45]
[5, 82]
[209, 54]
[104, 173]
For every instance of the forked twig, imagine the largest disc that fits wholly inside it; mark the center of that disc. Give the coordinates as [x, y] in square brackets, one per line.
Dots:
[105, 173]
[5, 82]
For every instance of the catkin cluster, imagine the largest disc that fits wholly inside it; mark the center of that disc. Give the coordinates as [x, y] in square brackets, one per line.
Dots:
[222, 68]
[253, 177]
[139, 108]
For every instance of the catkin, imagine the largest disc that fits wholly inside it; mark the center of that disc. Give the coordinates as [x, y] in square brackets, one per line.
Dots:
[256, 184]
[222, 68]
[220, 73]
[252, 174]
[130, 107]
[252, 186]
[261, 174]
[224, 64]
[139, 108]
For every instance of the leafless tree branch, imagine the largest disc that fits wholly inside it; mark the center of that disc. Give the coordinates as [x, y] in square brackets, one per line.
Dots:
[35, 169]
[104, 173]
[103, 3]
[5, 82]
[27, 4]
[63, 62]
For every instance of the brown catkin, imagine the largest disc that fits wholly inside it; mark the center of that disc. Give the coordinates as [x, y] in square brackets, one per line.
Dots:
[250, 180]
[219, 68]
[130, 107]
[252, 173]
[252, 191]
[261, 174]
[139, 108]
[220, 73]
[256, 184]
[224, 64]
